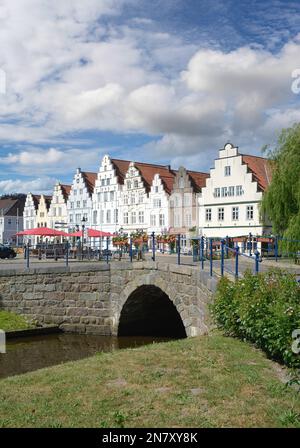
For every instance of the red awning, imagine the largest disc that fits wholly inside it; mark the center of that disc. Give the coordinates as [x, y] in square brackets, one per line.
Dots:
[42, 231]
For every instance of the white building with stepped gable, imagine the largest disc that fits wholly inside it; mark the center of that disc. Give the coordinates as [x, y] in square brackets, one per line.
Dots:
[58, 213]
[229, 204]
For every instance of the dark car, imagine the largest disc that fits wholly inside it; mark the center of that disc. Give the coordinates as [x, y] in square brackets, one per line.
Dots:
[7, 252]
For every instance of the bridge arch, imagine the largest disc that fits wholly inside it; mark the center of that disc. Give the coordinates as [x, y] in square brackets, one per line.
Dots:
[136, 300]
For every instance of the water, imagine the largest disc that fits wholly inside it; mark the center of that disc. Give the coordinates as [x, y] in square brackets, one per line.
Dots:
[32, 353]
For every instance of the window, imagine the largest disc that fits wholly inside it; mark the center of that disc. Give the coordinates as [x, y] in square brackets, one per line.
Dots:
[78, 204]
[227, 170]
[239, 190]
[250, 212]
[217, 193]
[136, 184]
[128, 185]
[125, 217]
[132, 198]
[230, 191]
[141, 197]
[107, 181]
[108, 217]
[84, 204]
[126, 199]
[188, 220]
[95, 217]
[102, 182]
[224, 192]
[105, 196]
[141, 217]
[85, 217]
[161, 220]
[101, 216]
[78, 218]
[177, 220]
[156, 189]
[59, 211]
[153, 220]
[99, 197]
[157, 203]
[71, 219]
[112, 195]
[221, 214]
[116, 216]
[208, 214]
[9, 221]
[235, 213]
[80, 191]
[133, 218]
[187, 199]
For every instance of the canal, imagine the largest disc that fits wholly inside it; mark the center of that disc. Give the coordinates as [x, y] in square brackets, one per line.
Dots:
[32, 353]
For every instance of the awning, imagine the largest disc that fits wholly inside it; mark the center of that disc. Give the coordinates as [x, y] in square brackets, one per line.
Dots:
[42, 231]
[91, 233]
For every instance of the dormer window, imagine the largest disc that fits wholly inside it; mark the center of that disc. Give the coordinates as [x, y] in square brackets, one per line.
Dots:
[227, 170]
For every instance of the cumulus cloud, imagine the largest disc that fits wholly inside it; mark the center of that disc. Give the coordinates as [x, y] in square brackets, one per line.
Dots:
[68, 71]
[39, 185]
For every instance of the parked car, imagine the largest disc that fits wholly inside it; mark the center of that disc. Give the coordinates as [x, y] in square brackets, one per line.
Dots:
[7, 252]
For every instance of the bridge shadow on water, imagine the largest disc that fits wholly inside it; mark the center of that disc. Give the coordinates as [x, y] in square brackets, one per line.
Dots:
[148, 311]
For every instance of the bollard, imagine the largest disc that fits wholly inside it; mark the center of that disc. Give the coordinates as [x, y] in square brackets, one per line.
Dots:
[178, 248]
[236, 261]
[222, 257]
[256, 262]
[211, 257]
[153, 246]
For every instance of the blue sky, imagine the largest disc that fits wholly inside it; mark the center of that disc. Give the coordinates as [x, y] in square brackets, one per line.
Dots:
[166, 81]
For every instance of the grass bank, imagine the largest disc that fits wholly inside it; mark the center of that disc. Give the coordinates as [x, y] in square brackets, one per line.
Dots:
[210, 381]
[10, 322]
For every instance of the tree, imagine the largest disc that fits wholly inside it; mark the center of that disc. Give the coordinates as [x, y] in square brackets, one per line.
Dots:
[281, 202]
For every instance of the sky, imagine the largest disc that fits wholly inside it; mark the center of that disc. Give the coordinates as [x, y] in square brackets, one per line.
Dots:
[161, 81]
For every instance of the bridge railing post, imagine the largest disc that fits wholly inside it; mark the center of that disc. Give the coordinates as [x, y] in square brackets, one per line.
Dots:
[28, 255]
[256, 261]
[153, 246]
[236, 261]
[202, 252]
[250, 244]
[178, 248]
[107, 246]
[67, 253]
[222, 257]
[227, 245]
[211, 257]
[130, 249]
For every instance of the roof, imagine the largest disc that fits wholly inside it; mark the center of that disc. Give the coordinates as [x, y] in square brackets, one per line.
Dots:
[90, 180]
[48, 200]
[198, 179]
[260, 168]
[36, 199]
[12, 207]
[65, 190]
[148, 172]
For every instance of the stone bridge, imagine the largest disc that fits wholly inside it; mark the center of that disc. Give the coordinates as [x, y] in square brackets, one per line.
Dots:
[122, 298]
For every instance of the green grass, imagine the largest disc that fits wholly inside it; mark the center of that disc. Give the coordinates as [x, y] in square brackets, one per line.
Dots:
[10, 321]
[209, 381]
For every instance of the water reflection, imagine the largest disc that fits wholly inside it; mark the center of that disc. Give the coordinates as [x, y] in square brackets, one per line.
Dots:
[32, 353]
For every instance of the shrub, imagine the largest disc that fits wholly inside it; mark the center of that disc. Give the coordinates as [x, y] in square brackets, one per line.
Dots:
[264, 309]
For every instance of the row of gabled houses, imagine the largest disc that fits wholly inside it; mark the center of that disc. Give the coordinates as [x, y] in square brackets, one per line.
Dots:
[126, 196]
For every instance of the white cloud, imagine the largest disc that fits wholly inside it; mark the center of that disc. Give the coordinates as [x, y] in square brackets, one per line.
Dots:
[39, 185]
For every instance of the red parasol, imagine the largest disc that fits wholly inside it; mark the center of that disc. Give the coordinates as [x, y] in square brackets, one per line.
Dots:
[91, 233]
[42, 231]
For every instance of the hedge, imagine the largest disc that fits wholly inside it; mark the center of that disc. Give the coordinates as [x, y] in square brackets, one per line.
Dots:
[263, 309]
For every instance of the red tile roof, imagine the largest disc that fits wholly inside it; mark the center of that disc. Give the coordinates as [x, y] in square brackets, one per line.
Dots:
[36, 199]
[260, 168]
[90, 180]
[198, 179]
[65, 189]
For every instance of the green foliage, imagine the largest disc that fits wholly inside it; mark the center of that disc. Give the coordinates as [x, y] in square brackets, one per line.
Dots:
[281, 202]
[10, 321]
[264, 309]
